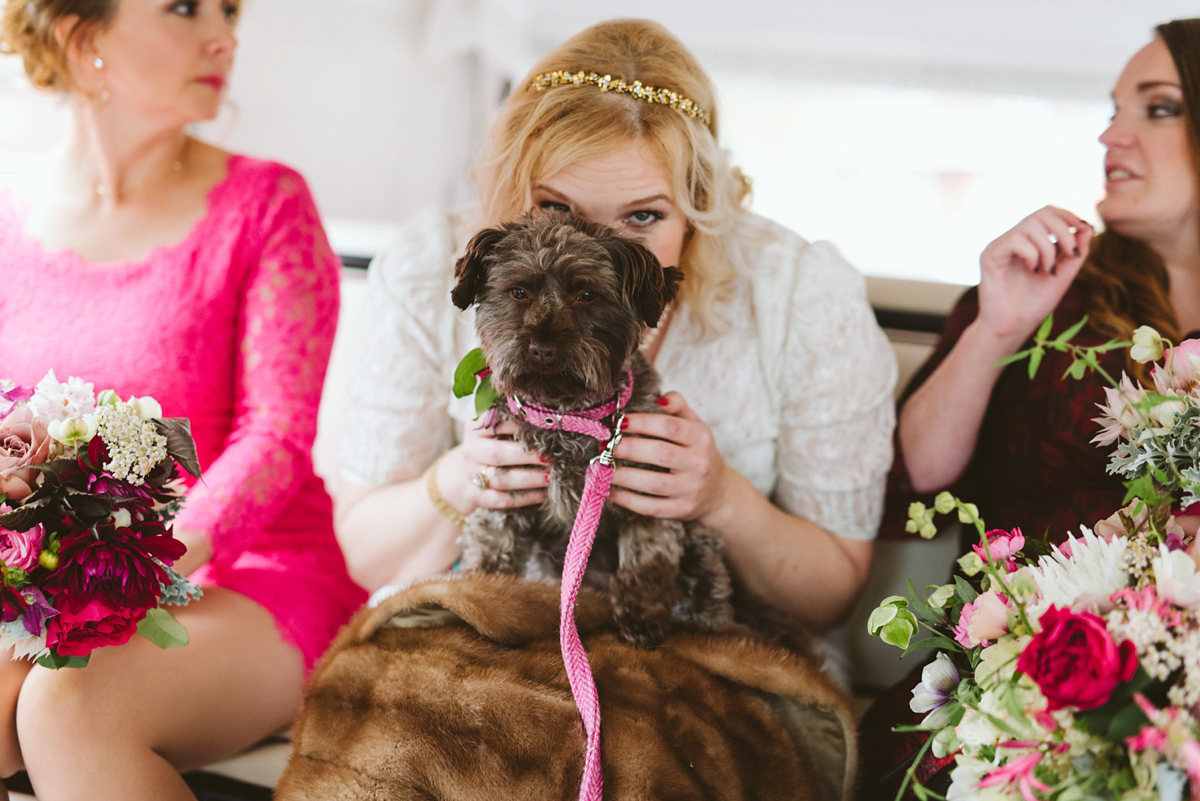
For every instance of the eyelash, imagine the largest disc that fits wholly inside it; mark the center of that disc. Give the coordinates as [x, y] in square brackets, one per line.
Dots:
[187, 8]
[1163, 109]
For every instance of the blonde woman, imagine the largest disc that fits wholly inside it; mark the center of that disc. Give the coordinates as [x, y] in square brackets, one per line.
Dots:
[778, 421]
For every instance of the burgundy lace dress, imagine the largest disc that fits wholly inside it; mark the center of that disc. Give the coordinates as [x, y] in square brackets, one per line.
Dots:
[232, 328]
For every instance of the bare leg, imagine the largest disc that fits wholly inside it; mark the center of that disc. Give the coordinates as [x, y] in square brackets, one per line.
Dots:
[137, 715]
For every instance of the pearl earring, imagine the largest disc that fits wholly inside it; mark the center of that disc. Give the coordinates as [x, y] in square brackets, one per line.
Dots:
[98, 63]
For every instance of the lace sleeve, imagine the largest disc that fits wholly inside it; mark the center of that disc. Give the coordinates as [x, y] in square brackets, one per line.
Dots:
[287, 321]
[398, 418]
[837, 418]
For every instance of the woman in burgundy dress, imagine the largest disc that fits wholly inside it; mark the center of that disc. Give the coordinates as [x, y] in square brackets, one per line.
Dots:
[1021, 449]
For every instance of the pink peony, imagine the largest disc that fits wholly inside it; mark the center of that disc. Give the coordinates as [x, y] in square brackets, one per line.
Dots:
[23, 442]
[21, 549]
[1181, 367]
[982, 621]
[1004, 546]
[1074, 660]
[78, 630]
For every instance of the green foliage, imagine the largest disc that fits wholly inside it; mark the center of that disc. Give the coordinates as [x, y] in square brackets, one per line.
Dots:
[161, 628]
[465, 373]
[54, 662]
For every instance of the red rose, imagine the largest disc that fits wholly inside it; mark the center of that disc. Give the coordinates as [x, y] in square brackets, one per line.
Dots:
[78, 633]
[1075, 661]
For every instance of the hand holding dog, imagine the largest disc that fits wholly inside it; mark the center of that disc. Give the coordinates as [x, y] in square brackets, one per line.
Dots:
[680, 442]
[515, 476]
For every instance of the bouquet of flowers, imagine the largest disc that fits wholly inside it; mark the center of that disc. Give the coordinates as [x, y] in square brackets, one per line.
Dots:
[1073, 671]
[88, 486]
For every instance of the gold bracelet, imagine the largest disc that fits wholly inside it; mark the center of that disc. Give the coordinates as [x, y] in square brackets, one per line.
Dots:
[441, 504]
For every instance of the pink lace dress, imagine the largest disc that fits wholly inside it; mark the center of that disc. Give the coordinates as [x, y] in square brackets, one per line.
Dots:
[231, 328]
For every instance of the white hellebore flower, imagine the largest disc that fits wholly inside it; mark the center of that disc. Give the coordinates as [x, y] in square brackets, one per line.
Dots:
[147, 408]
[1147, 345]
[1176, 578]
[75, 431]
[935, 692]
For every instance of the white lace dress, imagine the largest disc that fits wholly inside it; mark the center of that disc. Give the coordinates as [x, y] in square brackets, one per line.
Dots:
[798, 393]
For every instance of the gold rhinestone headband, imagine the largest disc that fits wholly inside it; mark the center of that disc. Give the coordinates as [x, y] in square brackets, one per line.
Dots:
[607, 83]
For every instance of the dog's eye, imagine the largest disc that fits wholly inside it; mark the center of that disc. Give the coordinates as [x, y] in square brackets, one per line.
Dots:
[585, 297]
[518, 293]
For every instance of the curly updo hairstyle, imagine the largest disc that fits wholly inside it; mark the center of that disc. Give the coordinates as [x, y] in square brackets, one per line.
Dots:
[28, 28]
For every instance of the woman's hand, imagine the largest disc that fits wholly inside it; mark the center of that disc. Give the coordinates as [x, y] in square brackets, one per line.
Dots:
[491, 470]
[679, 441]
[1026, 271]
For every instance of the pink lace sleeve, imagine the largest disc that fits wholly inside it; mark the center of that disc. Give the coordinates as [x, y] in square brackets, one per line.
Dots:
[288, 319]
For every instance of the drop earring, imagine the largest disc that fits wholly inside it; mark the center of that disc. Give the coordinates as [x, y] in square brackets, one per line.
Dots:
[98, 63]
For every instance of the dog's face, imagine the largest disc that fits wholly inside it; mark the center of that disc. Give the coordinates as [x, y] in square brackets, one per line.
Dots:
[562, 303]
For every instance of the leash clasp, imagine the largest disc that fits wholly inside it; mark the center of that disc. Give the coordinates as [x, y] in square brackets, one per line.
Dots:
[606, 456]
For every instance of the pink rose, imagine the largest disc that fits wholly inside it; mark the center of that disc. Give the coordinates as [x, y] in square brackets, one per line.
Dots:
[21, 549]
[1004, 546]
[78, 633]
[23, 442]
[1075, 661]
[984, 620]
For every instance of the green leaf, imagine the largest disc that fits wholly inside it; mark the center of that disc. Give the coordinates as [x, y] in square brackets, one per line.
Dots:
[161, 628]
[180, 445]
[1016, 357]
[1035, 360]
[486, 396]
[54, 661]
[1076, 370]
[1044, 329]
[1066, 336]
[937, 641]
[464, 374]
[1126, 723]
[1112, 344]
[964, 591]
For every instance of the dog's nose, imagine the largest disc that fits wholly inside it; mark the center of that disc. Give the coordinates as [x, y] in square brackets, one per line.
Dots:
[542, 351]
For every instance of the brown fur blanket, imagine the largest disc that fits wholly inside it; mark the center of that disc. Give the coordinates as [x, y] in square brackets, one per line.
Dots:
[455, 689]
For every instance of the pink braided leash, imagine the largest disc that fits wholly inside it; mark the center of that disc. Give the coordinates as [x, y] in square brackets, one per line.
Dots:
[579, 672]
[596, 486]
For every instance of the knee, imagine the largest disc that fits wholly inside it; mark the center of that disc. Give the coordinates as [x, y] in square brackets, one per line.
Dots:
[52, 702]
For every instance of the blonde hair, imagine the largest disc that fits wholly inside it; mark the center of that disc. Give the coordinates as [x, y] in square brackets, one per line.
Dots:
[539, 133]
[28, 28]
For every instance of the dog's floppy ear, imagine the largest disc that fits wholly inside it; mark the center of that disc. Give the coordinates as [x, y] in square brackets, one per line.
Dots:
[470, 272]
[649, 284]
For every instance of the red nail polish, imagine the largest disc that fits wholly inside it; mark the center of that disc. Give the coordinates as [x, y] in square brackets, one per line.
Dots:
[661, 401]
[624, 423]
[543, 458]
[546, 477]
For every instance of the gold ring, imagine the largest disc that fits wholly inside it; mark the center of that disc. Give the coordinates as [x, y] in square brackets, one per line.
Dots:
[481, 479]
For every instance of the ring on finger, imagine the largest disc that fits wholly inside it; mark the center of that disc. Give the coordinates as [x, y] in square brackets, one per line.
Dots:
[481, 479]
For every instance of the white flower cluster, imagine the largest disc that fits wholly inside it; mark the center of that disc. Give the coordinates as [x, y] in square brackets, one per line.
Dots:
[1158, 645]
[134, 444]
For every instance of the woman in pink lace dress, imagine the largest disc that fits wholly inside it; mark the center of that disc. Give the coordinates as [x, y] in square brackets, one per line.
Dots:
[147, 261]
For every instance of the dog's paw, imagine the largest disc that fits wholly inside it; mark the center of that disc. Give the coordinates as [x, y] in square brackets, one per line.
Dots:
[644, 631]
